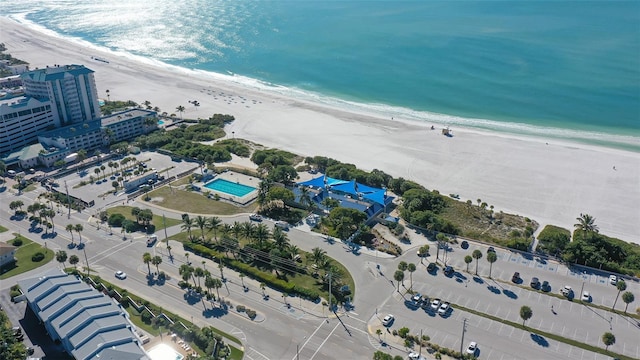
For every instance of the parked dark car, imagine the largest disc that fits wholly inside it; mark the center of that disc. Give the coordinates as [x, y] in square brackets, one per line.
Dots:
[431, 267]
[516, 277]
[535, 283]
[545, 286]
[491, 249]
[464, 244]
[448, 271]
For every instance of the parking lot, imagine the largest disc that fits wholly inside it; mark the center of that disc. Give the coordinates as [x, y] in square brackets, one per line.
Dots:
[503, 300]
[102, 191]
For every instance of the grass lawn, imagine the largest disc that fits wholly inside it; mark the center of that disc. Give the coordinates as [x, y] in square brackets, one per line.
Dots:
[23, 258]
[3, 229]
[194, 202]
[157, 219]
[184, 181]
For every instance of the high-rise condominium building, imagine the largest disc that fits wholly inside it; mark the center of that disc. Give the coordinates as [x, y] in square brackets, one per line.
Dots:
[70, 88]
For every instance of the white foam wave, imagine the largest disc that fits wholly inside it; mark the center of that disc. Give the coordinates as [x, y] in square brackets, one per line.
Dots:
[383, 110]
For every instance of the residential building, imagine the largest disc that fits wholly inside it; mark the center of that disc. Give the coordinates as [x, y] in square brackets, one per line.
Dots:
[7, 254]
[129, 124]
[71, 89]
[88, 135]
[22, 119]
[88, 324]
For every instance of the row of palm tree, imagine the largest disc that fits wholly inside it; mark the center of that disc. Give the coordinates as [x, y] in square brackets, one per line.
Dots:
[77, 228]
[61, 257]
[39, 211]
[155, 260]
[190, 273]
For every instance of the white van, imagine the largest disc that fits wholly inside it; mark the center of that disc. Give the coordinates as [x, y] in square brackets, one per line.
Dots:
[282, 225]
[11, 173]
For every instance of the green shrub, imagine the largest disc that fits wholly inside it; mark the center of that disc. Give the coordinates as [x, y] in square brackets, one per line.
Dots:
[17, 242]
[14, 293]
[553, 239]
[145, 317]
[37, 257]
[403, 332]
[240, 308]
[252, 314]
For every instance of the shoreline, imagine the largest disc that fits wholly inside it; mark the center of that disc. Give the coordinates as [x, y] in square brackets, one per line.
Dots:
[519, 174]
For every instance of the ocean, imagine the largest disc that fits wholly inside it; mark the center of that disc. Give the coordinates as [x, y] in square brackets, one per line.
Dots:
[556, 69]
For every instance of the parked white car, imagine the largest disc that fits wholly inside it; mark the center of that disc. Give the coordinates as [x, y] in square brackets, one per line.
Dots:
[613, 279]
[121, 275]
[471, 349]
[387, 320]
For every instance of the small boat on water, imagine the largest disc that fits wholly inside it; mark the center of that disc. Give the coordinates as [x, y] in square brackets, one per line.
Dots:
[100, 59]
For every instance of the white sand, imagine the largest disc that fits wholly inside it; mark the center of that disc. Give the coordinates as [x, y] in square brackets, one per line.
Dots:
[551, 183]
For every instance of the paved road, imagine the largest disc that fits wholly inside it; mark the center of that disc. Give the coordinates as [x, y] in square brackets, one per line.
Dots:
[351, 336]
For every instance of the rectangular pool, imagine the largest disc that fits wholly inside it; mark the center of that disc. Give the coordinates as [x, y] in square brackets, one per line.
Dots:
[228, 187]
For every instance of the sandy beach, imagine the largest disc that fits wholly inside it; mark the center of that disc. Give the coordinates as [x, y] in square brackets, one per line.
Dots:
[549, 181]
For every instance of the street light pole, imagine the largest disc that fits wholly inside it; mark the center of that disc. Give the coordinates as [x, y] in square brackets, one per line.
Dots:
[298, 348]
[464, 327]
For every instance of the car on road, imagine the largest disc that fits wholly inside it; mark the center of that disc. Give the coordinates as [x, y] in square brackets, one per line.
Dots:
[121, 275]
[282, 225]
[435, 304]
[535, 283]
[448, 271]
[431, 267]
[444, 308]
[464, 244]
[472, 348]
[491, 249]
[255, 217]
[416, 356]
[516, 277]
[586, 297]
[566, 291]
[613, 279]
[152, 240]
[417, 298]
[387, 320]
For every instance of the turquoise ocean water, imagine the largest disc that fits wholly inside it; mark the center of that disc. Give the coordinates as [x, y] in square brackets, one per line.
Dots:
[557, 69]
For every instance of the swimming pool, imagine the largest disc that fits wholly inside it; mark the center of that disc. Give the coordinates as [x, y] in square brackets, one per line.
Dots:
[228, 187]
[160, 122]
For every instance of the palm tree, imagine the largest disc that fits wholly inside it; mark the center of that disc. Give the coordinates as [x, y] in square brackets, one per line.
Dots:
[280, 239]
[399, 276]
[70, 228]
[261, 234]
[242, 279]
[586, 223]
[608, 339]
[78, 228]
[305, 196]
[477, 254]
[467, 260]
[217, 284]
[208, 283]
[213, 223]
[187, 224]
[73, 260]
[185, 271]
[262, 287]
[107, 91]
[525, 313]
[221, 267]
[628, 298]
[491, 258]
[61, 257]
[411, 268]
[318, 255]
[248, 229]
[169, 250]
[146, 258]
[621, 286]
[180, 109]
[441, 239]
[201, 222]
[157, 260]
[379, 332]
[198, 273]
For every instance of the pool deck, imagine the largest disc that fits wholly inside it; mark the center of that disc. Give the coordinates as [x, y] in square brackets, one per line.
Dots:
[234, 177]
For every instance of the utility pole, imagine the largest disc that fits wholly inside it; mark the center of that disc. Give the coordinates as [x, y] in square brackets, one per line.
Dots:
[68, 200]
[86, 260]
[420, 353]
[464, 327]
